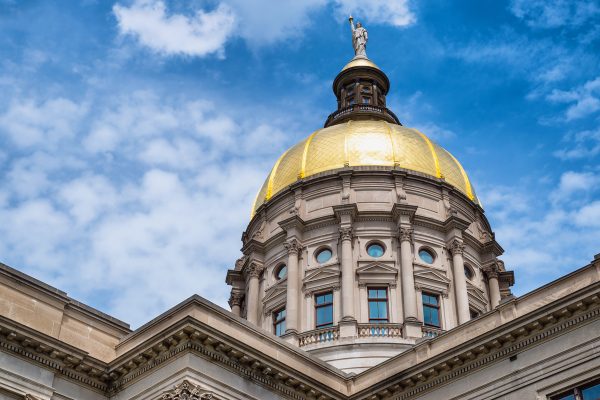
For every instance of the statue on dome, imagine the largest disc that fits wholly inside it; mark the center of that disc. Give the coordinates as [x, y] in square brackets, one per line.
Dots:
[359, 38]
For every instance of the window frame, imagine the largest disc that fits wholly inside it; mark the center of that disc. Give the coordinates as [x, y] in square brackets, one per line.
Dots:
[323, 305]
[437, 307]
[576, 391]
[278, 321]
[378, 300]
[378, 243]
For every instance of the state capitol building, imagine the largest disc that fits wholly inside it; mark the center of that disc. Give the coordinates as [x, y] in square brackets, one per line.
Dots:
[368, 271]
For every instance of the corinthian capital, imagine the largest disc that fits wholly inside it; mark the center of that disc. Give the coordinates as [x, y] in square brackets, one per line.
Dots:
[292, 246]
[254, 270]
[236, 299]
[346, 233]
[405, 234]
[456, 247]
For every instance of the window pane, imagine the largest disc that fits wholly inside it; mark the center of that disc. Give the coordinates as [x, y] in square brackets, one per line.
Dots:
[372, 293]
[382, 309]
[382, 293]
[375, 250]
[427, 315]
[591, 393]
[329, 298]
[567, 397]
[426, 256]
[435, 317]
[324, 256]
[373, 311]
[325, 316]
[282, 272]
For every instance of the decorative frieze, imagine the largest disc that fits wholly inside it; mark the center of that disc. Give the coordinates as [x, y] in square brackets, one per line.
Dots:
[187, 391]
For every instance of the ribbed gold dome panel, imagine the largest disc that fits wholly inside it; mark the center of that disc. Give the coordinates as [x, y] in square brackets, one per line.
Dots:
[363, 143]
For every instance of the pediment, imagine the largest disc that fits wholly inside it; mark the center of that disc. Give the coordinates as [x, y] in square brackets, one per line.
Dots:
[431, 275]
[321, 273]
[376, 268]
[274, 292]
[477, 297]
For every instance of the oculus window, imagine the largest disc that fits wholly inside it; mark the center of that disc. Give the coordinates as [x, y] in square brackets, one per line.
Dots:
[469, 272]
[431, 309]
[378, 305]
[279, 322]
[375, 250]
[323, 256]
[324, 309]
[281, 272]
[426, 256]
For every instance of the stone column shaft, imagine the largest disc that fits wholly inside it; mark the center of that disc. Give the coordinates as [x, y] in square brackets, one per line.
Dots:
[460, 281]
[347, 275]
[293, 283]
[409, 295]
[494, 289]
[252, 300]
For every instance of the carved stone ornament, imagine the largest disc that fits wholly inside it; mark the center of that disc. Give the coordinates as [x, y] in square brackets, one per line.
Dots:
[405, 234]
[240, 263]
[346, 233]
[236, 299]
[187, 391]
[456, 247]
[254, 270]
[292, 246]
[30, 397]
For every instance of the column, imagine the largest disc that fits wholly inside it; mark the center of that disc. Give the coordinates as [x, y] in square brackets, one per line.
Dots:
[254, 272]
[293, 282]
[460, 281]
[347, 275]
[492, 275]
[235, 302]
[409, 296]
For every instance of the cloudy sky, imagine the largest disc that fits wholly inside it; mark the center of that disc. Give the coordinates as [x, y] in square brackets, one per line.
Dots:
[134, 134]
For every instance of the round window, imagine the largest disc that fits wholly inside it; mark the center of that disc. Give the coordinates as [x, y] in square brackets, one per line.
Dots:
[323, 256]
[375, 250]
[468, 273]
[281, 272]
[426, 256]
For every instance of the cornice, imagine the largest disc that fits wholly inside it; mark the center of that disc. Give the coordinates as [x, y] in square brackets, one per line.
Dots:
[498, 344]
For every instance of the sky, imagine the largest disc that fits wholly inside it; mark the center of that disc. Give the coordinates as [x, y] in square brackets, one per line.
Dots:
[134, 134]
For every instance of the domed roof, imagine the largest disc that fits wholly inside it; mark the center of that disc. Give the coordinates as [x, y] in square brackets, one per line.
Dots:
[364, 143]
[360, 62]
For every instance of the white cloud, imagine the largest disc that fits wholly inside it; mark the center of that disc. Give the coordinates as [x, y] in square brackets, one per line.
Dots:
[580, 145]
[555, 13]
[391, 12]
[203, 33]
[589, 215]
[584, 100]
[157, 220]
[29, 123]
[206, 32]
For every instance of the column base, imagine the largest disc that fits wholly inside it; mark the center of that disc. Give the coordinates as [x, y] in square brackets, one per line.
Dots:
[413, 329]
[348, 328]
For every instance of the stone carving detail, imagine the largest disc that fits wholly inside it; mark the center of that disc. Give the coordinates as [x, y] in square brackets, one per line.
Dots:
[236, 299]
[405, 234]
[456, 247]
[187, 391]
[254, 270]
[346, 233]
[240, 263]
[292, 246]
[359, 38]
[259, 232]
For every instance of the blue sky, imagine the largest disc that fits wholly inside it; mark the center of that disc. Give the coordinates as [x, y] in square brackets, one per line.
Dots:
[134, 134]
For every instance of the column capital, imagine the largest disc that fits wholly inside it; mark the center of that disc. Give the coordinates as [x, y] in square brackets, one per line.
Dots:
[292, 246]
[346, 233]
[235, 299]
[254, 270]
[456, 246]
[405, 234]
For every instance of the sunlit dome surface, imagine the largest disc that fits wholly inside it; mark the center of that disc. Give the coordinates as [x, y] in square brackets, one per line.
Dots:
[363, 143]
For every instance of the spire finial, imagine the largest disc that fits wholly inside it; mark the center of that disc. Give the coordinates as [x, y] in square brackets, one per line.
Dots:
[359, 38]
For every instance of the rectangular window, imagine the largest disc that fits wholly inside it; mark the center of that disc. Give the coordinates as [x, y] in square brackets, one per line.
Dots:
[589, 391]
[324, 309]
[431, 309]
[378, 305]
[279, 322]
[366, 100]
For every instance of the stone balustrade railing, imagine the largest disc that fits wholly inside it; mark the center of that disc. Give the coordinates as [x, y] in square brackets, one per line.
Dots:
[380, 330]
[431, 332]
[321, 335]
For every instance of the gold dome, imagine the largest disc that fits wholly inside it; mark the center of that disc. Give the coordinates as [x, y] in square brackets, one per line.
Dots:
[363, 143]
[360, 62]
